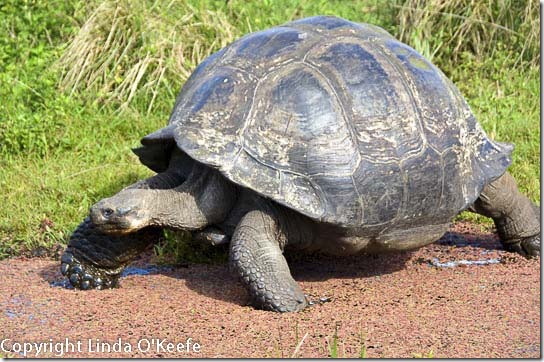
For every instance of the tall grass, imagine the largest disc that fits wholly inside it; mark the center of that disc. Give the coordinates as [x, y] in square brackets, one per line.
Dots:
[127, 49]
[446, 29]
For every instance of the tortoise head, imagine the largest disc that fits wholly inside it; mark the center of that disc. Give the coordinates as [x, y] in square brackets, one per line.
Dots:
[126, 212]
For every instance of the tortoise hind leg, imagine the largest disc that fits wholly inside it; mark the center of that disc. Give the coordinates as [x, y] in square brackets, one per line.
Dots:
[256, 256]
[517, 219]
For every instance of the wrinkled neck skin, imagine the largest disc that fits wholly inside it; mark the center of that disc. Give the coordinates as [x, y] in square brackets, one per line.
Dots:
[188, 195]
[205, 198]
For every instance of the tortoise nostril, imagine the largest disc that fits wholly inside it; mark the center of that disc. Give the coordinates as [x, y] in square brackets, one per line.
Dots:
[123, 210]
[107, 212]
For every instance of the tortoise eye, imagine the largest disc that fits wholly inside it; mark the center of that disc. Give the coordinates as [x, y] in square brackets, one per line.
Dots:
[107, 212]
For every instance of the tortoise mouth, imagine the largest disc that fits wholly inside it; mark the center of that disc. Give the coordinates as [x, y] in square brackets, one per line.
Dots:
[117, 229]
[120, 226]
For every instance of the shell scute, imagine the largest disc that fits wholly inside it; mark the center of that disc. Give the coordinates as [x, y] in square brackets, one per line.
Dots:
[297, 120]
[263, 51]
[437, 102]
[338, 193]
[269, 43]
[424, 188]
[247, 171]
[323, 23]
[381, 189]
[207, 124]
[375, 97]
[299, 191]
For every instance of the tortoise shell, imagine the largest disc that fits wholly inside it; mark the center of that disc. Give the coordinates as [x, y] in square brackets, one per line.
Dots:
[338, 121]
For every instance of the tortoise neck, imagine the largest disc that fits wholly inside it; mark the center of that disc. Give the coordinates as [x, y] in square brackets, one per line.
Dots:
[205, 198]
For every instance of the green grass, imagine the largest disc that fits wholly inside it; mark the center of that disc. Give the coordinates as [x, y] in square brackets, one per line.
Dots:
[429, 354]
[178, 248]
[74, 102]
[333, 344]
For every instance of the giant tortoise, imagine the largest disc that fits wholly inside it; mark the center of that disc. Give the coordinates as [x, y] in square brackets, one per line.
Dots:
[317, 135]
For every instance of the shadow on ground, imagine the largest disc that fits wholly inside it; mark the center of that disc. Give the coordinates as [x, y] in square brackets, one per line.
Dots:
[217, 282]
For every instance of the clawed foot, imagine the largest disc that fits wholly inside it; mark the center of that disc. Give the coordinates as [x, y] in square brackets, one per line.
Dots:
[528, 247]
[85, 276]
[279, 300]
[288, 303]
[95, 259]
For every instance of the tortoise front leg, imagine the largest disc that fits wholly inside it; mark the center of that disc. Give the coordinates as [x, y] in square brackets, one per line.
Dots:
[256, 256]
[517, 219]
[94, 259]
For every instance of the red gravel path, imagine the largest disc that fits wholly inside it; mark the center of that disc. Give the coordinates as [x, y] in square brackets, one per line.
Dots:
[397, 306]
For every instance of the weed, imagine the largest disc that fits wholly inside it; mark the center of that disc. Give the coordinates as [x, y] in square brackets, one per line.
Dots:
[429, 354]
[362, 339]
[178, 247]
[299, 345]
[333, 345]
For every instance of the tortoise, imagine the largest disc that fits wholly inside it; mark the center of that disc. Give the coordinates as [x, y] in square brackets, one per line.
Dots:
[317, 135]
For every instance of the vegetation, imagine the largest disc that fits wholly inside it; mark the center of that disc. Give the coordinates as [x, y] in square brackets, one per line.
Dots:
[82, 82]
[429, 354]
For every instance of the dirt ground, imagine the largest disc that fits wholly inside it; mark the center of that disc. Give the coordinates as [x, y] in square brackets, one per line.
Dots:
[462, 296]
